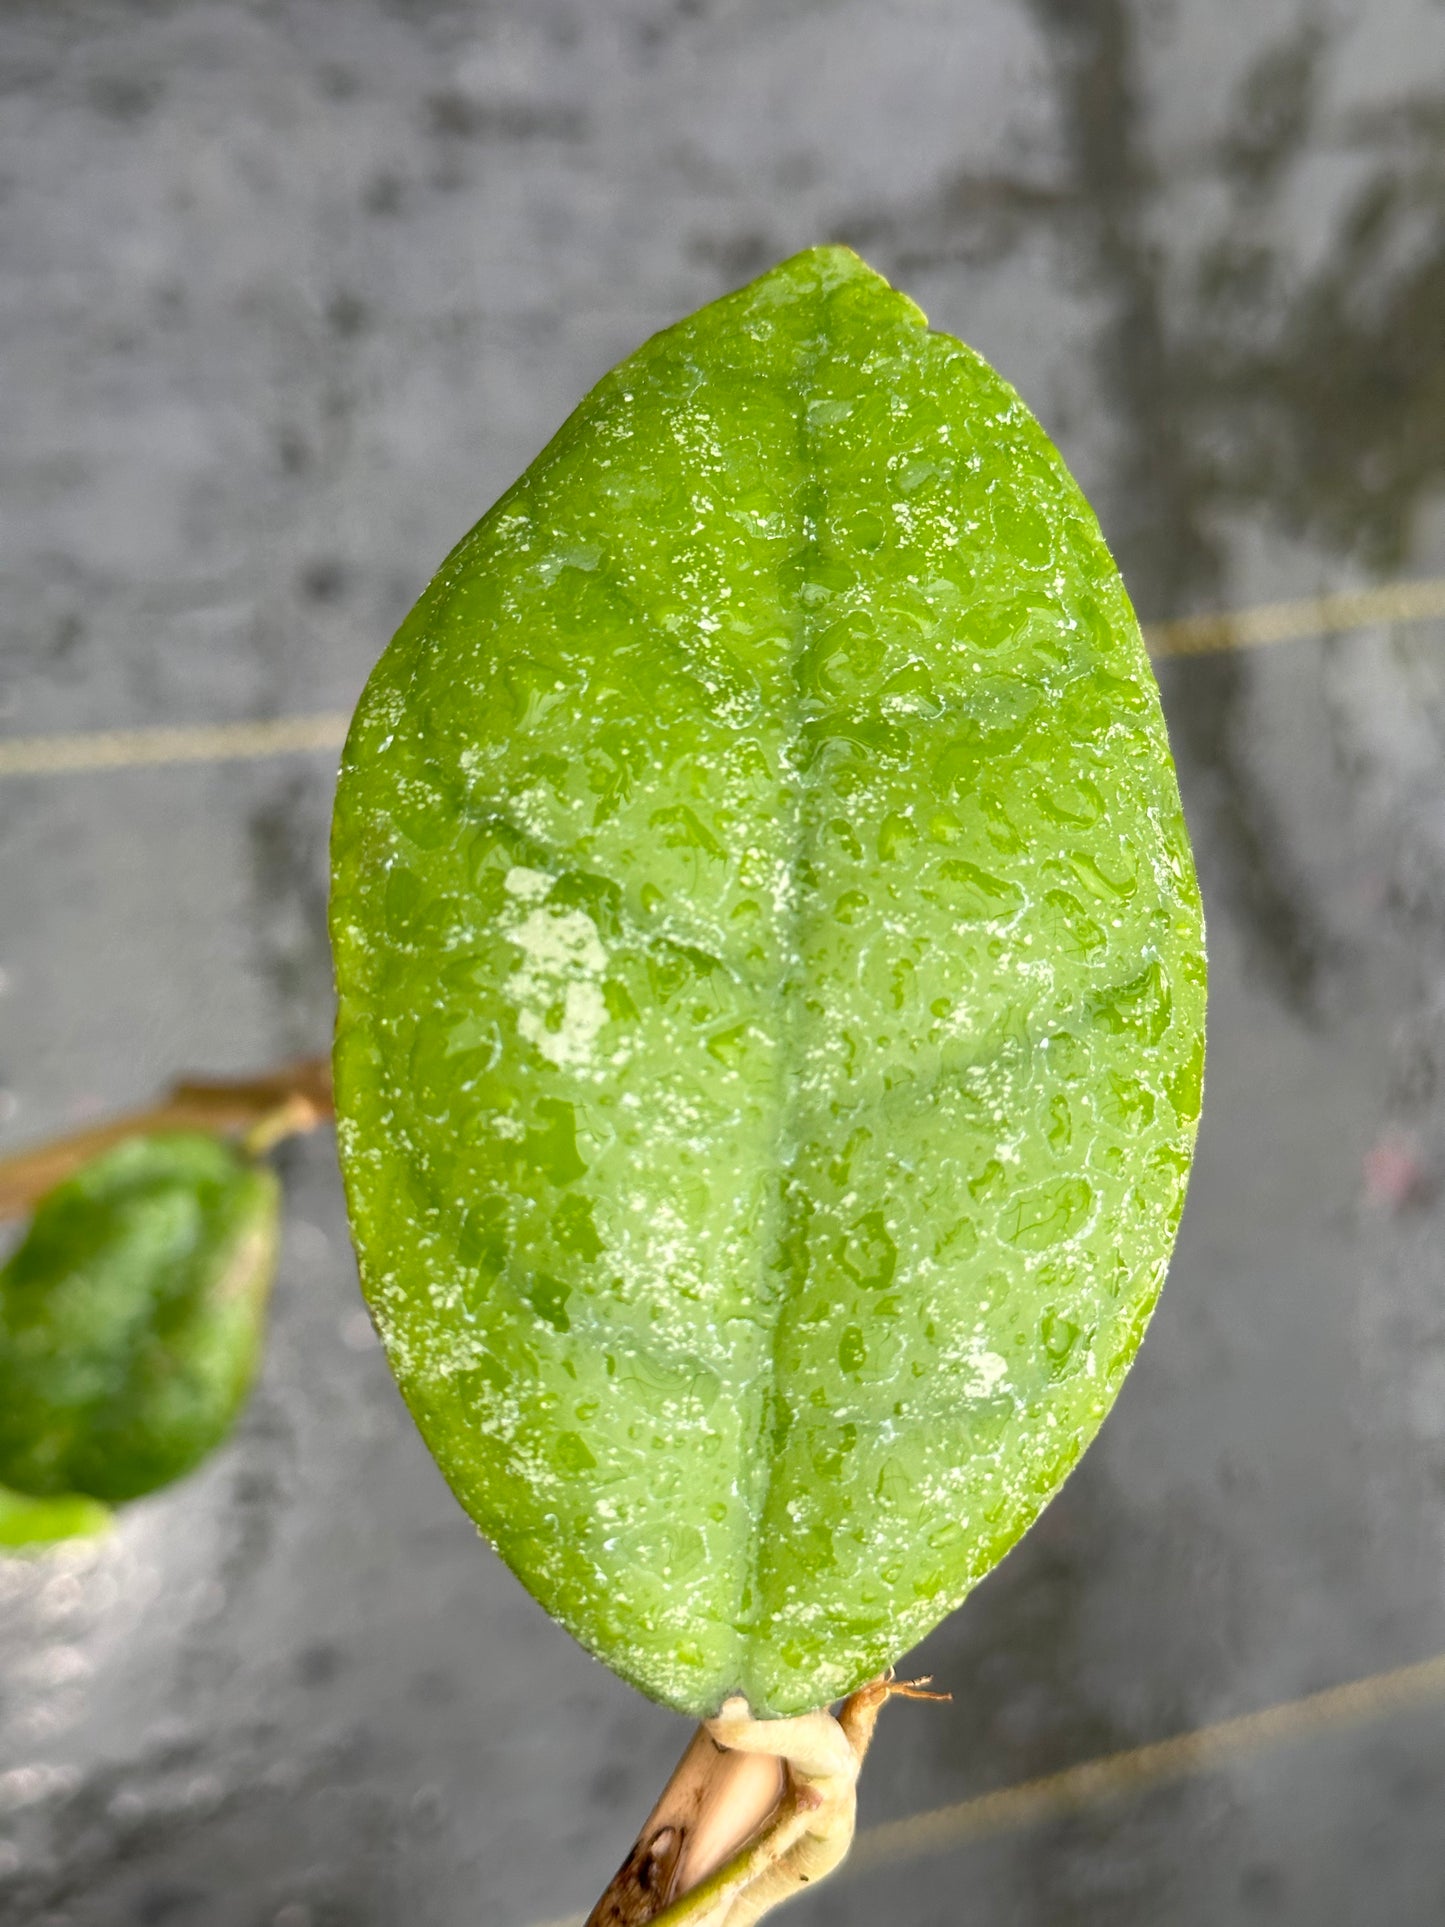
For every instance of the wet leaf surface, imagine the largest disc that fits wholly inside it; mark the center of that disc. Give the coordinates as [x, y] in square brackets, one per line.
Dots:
[771, 994]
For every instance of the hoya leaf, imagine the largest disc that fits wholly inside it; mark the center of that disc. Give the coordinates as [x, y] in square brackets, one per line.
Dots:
[27, 1524]
[131, 1318]
[771, 994]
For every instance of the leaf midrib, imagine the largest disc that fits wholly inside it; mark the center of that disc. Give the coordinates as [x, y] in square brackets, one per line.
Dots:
[782, 1150]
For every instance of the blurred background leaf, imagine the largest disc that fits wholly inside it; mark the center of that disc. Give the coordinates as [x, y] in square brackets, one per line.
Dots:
[131, 1318]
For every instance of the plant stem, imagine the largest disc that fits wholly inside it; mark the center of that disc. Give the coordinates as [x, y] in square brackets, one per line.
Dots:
[263, 1110]
[755, 1811]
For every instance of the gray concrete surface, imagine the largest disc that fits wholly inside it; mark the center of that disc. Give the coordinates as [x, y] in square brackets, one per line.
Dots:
[290, 290]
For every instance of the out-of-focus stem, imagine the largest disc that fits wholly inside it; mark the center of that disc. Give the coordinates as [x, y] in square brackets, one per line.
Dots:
[262, 1110]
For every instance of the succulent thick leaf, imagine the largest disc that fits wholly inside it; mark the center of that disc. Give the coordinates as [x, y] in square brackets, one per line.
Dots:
[131, 1318]
[771, 992]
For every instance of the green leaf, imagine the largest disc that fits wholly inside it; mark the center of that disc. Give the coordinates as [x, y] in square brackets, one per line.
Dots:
[27, 1524]
[131, 1318]
[772, 995]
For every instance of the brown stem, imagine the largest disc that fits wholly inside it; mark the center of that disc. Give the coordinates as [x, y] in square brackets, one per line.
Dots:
[297, 1097]
[755, 1811]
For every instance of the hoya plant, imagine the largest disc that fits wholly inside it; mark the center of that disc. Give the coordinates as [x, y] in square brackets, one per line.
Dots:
[130, 1318]
[132, 1311]
[770, 1040]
